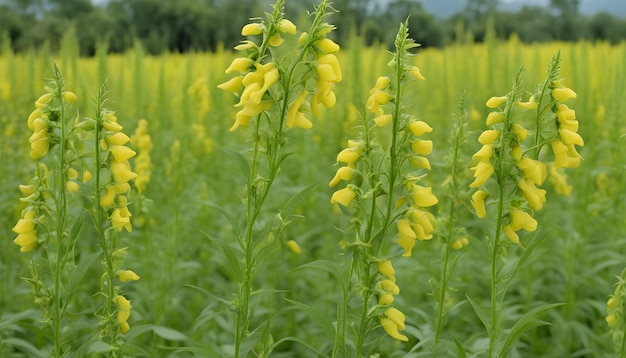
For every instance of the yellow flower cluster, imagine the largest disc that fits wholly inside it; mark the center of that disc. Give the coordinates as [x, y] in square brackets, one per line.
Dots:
[114, 141]
[565, 153]
[418, 223]
[392, 319]
[559, 181]
[532, 172]
[123, 313]
[379, 96]
[26, 227]
[142, 142]
[349, 157]
[615, 311]
[328, 71]
[255, 83]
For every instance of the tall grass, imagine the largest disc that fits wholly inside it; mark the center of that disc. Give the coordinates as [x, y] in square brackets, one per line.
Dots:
[184, 303]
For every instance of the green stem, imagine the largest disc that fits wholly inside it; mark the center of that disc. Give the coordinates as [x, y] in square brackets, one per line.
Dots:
[61, 203]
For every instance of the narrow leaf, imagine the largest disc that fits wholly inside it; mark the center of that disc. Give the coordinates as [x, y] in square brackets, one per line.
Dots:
[295, 200]
[81, 269]
[322, 321]
[528, 321]
[169, 333]
[241, 160]
[480, 314]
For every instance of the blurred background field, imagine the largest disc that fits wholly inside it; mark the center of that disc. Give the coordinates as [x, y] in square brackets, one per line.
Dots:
[168, 75]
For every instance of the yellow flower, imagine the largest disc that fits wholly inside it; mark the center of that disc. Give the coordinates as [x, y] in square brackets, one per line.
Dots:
[252, 29]
[521, 132]
[127, 276]
[419, 162]
[124, 327]
[327, 46]
[232, 85]
[510, 233]
[108, 199]
[293, 246]
[522, 220]
[392, 329]
[43, 100]
[385, 299]
[415, 72]
[460, 243]
[121, 220]
[495, 102]
[386, 268]
[533, 169]
[482, 172]
[390, 286]
[295, 118]
[286, 26]
[494, 117]
[570, 137]
[383, 120]
[563, 94]
[343, 173]
[70, 97]
[531, 104]
[331, 60]
[72, 186]
[240, 64]
[396, 316]
[122, 172]
[484, 153]
[404, 228]
[121, 152]
[489, 136]
[422, 147]
[275, 40]
[533, 195]
[26, 242]
[343, 196]
[407, 243]
[349, 155]
[478, 202]
[423, 196]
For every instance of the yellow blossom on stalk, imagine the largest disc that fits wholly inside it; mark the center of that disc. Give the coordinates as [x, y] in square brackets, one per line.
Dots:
[460, 243]
[127, 276]
[494, 117]
[123, 313]
[392, 322]
[495, 102]
[343, 173]
[530, 104]
[296, 118]
[327, 45]
[559, 181]
[142, 142]
[343, 196]
[26, 230]
[478, 202]
[294, 247]
[252, 29]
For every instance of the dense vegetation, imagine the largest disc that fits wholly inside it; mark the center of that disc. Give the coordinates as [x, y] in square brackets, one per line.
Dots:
[201, 25]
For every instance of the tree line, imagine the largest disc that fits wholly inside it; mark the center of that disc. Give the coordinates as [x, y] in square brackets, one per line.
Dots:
[203, 25]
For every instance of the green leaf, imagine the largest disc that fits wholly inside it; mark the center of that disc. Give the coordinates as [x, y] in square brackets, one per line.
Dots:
[169, 333]
[525, 323]
[24, 346]
[81, 269]
[100, 347]
[295, 200]
[481, 315]
[230, 218]
[233, 261]
[329, 266]
[241, 160]
[461, 353]
[303, 343]
[322, 321]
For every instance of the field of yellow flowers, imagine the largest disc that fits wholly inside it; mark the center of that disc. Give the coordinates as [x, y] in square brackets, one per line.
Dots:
[476, 204]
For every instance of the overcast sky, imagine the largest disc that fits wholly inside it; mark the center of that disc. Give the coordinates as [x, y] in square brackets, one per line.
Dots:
[445, 8]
